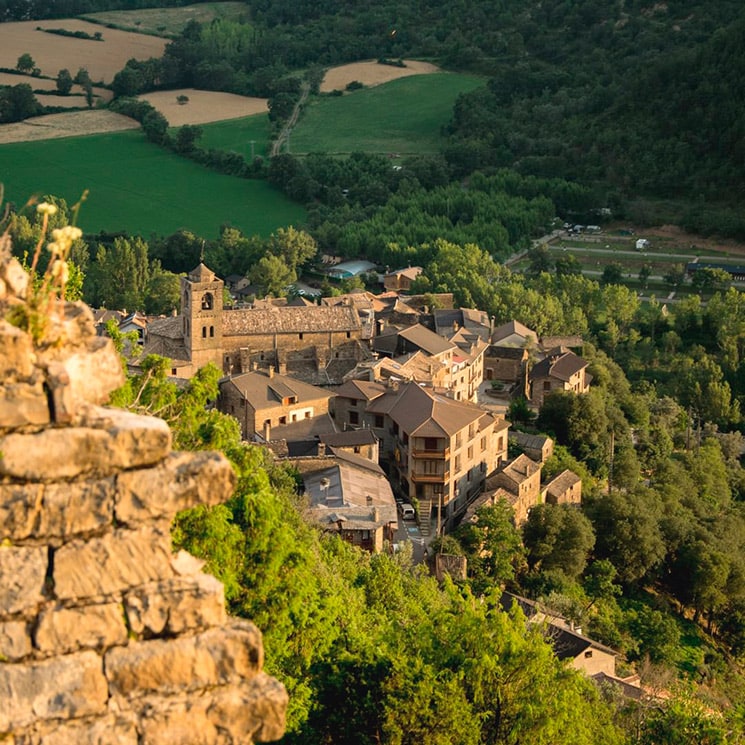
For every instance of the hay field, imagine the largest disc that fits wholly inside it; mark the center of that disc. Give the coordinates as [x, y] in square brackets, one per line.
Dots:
[73, 124]
[372, 73]
[74, 100]
[203, 106]
[51, 52]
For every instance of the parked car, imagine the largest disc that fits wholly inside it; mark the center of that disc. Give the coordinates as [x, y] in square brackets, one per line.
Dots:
[407, 511]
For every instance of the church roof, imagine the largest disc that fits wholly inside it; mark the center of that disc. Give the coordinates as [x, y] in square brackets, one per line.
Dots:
[290, 320]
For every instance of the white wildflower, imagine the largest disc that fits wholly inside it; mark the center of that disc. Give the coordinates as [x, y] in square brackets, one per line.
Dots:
[45, 208]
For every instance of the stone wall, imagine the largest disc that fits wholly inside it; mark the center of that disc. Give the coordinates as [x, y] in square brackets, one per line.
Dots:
[106, 637]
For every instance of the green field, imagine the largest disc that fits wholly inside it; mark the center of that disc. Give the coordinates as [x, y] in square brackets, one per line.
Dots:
[167, 21]
[236, 135]
[404, 116]
[137, 187]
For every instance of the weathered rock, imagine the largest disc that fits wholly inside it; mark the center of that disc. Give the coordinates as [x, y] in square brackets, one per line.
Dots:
[112, 563]
[55, 511]
[15, 641]
[16, 279]
[60, 688]
[16, 353]
[181, 481]
[176, 605]
[22, 573]
[253, 711]
[108, 730]
[215, 657]
[23, 405]
[129, 441]
[64, 630]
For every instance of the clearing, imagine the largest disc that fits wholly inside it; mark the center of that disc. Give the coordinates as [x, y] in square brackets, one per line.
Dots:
[371, 73]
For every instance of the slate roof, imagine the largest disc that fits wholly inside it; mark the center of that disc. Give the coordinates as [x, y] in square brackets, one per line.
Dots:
[520, 469]
[505, 353]
[349, 438]
[525, 440]
[361, 389]
[559, 363]
[201, 273]
[170, 327]
[289, 320]
[304, 430]
[476, 321]
[559, 485]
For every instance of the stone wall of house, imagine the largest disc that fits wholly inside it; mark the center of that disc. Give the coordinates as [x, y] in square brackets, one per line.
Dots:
[106, 637]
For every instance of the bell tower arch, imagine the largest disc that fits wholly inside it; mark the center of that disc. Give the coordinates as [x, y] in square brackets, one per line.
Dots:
[201, 313]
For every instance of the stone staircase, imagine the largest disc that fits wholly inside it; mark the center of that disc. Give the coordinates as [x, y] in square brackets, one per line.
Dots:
[425, 517]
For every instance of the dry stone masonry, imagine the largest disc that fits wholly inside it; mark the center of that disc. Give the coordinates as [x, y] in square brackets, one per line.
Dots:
[106, 637]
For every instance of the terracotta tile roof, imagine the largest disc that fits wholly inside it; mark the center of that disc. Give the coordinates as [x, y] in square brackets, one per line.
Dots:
[290, 320]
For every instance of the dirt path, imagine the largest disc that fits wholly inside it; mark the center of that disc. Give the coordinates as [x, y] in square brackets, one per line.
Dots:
[284, 135]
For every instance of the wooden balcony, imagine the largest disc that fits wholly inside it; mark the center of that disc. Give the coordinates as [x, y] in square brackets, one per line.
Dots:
[430, 478]
[442, 454]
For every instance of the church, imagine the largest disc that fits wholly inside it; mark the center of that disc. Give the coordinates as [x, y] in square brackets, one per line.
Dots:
[318, 344]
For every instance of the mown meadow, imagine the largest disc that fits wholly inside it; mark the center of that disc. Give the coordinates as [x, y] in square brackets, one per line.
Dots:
[137, 187]
[404, 116]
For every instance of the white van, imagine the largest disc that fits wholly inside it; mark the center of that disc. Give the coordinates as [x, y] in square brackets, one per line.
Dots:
[407, 511]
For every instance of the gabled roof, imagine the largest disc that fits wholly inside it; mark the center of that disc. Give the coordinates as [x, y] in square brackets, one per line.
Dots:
[534, 442]
[559, 363]
[520, 469]
[447, 321]
[360, 389]
[263, 391]
[565, 480]
[422, 413]
[290, 320]
[349, 438]
[513, 329]
[412, 272]
[426, 340]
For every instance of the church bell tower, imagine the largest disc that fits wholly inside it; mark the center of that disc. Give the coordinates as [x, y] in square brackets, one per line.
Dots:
[201, 311]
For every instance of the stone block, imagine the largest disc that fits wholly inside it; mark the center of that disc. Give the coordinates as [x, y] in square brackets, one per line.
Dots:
[176, 605]
[22, 573]
[251, 712]
[215, 657]
[113, 563]
[110, 729]
[15, 277]
[64, 630]
[16, 353]
[44, 511]
[122, 440]
[183, 480]
[61, 688]
[23, 405]
[15, 641]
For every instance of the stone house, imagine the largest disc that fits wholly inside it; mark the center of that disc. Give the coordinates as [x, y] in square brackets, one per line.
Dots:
[537, 447]
[401, 279]
[514, 334]
[352, 497]
[507, 365]
[317, 343]
[521, 479]
[449, 321]
[566, 488]
[261, 401]
[560, 370]
[437, 450]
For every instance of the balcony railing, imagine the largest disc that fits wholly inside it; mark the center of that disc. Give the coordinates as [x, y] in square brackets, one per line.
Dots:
[439, 454]
[430, 478]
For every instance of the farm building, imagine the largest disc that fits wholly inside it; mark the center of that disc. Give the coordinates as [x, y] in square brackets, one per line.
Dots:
[737, 272]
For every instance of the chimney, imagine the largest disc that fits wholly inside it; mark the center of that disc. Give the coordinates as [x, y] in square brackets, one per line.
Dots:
[321, 449]
[254, 366]
[267, 430]
[271, 371]
[282, 368]
[455, 325]
[375, 514]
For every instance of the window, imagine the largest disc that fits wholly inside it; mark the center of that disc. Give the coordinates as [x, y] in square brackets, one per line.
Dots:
[458, 440]
[430, 467]
[395, 428]
[204, 332]
[307, 415]
[588, 653]
[207, 301]
[470, 453]
[483, 444]
[379, 421]
[349, 334]
[354, 417]
[406, 439]
[500, 443]
[430, 443]
[457, 463]
[283, 420]
[546, 385]
[300, 336]
[212, 331]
